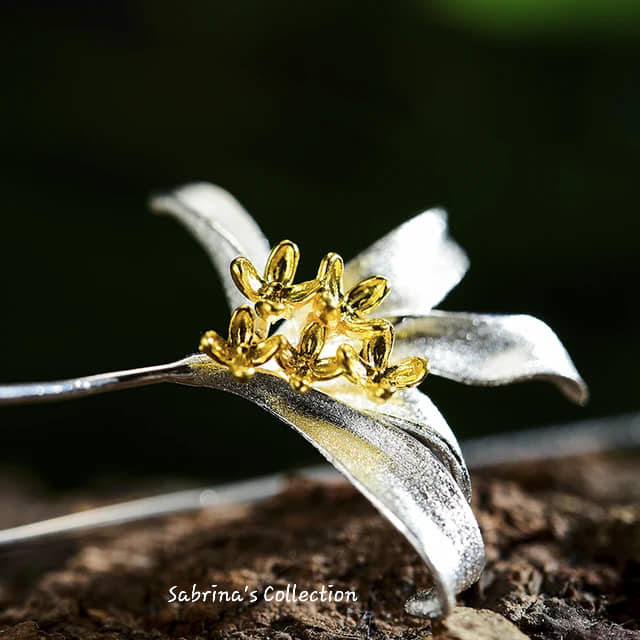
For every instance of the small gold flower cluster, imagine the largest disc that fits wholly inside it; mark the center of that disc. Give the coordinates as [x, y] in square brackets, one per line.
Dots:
[331, 312]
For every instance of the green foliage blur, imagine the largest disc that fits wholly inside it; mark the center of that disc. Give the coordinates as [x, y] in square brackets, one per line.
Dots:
[350, 117]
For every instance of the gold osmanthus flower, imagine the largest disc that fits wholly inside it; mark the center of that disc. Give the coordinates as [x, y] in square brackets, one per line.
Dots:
[303, 364]
[332, 314]
[370, 368]
[347, 311]
[274, 295]
[244, 350]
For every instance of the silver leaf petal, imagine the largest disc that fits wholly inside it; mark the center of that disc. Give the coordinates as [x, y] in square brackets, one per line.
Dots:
[419, 259]
[221, 224]
[487, 349]
[401, 476]
[414, 412]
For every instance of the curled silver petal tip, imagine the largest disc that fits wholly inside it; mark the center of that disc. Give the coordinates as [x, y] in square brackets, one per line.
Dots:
[430, 604]
[575, 389]
[489, 349]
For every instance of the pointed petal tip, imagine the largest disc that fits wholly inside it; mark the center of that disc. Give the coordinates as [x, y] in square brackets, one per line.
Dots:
[555, 362]
[159, 201]
[431, 604]
[574, 389]
[490, 350]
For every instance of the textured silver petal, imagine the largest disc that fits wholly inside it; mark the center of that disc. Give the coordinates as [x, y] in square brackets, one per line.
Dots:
[221, 224]
[395, 468]
[487, 349]
[419, 259]
[412, 411]
[401, 476]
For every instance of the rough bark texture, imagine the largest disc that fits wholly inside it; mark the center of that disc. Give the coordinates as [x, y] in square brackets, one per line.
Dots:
[563, 544]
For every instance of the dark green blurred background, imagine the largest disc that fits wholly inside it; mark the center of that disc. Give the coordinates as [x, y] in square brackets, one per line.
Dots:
[331, 123]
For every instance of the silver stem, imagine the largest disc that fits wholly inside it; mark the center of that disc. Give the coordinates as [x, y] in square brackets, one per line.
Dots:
[243, 492]
[31, 392]
[599, 435]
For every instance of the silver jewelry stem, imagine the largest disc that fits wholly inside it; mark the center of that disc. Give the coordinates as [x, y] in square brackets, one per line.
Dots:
[592, 436]
[243, 492]
[32, 392]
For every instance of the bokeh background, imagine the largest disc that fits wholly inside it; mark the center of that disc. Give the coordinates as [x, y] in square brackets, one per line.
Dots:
[332, 123]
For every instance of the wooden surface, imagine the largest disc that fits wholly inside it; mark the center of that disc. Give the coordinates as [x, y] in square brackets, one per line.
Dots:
[563, 545]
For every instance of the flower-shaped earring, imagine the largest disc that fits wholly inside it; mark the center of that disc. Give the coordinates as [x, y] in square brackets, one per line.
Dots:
[335, 308]
[303, 364]
[274, 295]
[371, 369]
[244, 350]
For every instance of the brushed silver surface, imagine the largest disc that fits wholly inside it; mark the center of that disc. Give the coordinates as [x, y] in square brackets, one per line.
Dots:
[419, 259]
[398, 472]
[486, 349]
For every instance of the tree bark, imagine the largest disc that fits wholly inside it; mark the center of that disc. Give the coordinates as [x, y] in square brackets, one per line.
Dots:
[563, 549]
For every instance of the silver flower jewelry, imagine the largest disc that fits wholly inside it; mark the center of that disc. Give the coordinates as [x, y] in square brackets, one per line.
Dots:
[342, 366]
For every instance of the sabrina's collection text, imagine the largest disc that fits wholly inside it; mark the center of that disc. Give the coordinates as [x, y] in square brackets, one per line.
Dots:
[288, 593]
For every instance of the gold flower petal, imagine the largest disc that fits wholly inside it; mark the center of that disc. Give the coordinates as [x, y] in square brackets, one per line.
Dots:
[282, 263]
[377, 348]
[266, 349]
[285, 356]
[363, 329]
[241, 326]
[215, 347]
[312, 340]
[330, 276]
[301, 292]
[246, 278]
[408, 372]
[327, 368]
[367, 295]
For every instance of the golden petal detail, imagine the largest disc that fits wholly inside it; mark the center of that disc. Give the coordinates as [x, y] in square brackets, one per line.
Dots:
[312, 340]
[301, 292]
[367, 295]
[408, 372]
[282, 263]
[241, 326]
[377, 348]
[266, 349]
[246, 278]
